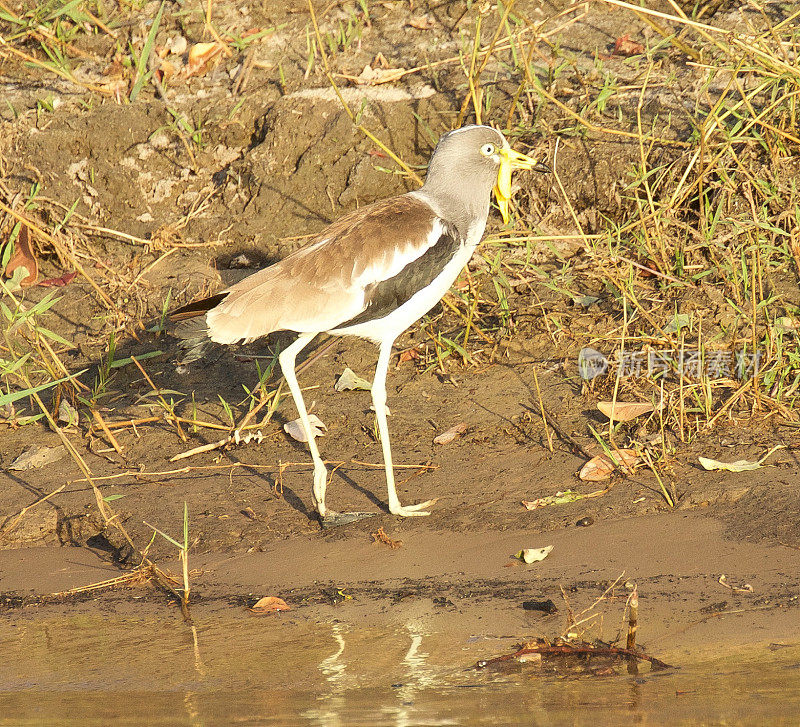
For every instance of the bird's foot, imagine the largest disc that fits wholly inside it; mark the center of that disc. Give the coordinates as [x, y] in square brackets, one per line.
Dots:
[417, 510]
[333, 519]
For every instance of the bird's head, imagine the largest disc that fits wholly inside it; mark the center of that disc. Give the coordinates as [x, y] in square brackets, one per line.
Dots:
[478, 159]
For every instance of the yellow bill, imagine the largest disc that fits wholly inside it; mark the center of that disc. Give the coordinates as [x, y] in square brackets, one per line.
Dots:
[509, 161]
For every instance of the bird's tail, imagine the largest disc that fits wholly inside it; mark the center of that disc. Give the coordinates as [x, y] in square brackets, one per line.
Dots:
[188, 324]
[196, 308]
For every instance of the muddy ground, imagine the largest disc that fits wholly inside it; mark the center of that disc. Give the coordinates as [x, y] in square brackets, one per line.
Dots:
[279, 159]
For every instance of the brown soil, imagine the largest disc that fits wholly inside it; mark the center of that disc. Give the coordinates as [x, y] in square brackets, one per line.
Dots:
[281, 165]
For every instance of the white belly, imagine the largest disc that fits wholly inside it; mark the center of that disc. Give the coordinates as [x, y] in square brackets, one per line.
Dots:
[392, 325]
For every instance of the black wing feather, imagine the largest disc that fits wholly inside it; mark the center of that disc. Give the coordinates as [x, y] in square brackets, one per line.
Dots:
[388, 295]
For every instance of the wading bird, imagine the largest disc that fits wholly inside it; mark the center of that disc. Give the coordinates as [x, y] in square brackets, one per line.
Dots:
[371, 274]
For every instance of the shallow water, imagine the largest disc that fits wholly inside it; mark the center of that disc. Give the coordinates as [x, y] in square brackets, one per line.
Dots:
[86, 669]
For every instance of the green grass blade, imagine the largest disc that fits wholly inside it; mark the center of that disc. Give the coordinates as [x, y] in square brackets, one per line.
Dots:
[11, 398]
[142, 74]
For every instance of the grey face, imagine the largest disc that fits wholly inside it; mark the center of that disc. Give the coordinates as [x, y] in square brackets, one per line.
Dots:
[462, 172]
[468, 157]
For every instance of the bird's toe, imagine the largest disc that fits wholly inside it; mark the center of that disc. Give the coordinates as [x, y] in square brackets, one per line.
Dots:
[417, 510]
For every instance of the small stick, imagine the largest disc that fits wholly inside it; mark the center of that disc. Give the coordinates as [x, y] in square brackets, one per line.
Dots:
[132, 422]
[633, 619]
[163, 401]
[135, 576]
[258, 407]
[202, 448]
[544, 416]
[244, 72]
[394, 466]
[236, 432]
[6, 529]
[649, 270]
[109, 517]
[308, 362]
[182, 420]
[100, 24]
[562, 435]
[111, 438]
[577, 621]
[477, 330]
[473, 77]
[152, 264]
[570, 613]
[62, 251]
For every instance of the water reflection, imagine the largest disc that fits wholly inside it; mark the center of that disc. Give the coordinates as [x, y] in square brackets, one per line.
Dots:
[90, 670]
[334, 671]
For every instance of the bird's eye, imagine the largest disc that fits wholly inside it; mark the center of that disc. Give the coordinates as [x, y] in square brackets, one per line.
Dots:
[487, 150]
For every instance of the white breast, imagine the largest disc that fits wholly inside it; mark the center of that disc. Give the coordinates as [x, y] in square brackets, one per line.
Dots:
[392, 325]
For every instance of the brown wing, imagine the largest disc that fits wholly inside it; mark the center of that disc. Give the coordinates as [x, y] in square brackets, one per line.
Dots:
[323, 283]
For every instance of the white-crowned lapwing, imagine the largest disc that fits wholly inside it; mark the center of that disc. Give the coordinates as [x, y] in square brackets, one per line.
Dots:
[372, 274]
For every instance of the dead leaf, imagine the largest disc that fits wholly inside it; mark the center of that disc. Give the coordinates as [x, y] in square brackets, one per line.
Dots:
[411, 354]
[65, 279]
[23, 257]
[270, 604]
[624, 46]
[168, 69]
[35, 457]
[422, 22]
[740, 465]
[560, 498]
[67, 414]
[295, 428]
[116, 69]
[202, 57]
[602, 466]
[533, 555]
[350, 381]
[746, 588]
[450, 434]
[621, 411]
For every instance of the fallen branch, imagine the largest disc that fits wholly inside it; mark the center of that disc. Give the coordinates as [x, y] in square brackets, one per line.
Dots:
[570, 650]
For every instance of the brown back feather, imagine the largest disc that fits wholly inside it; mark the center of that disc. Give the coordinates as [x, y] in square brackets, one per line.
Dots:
[323, 283]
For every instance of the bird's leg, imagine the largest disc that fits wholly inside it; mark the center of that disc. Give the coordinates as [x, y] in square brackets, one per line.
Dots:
[379, 402]
[287, 359]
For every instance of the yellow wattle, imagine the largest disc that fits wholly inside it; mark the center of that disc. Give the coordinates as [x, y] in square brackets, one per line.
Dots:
[502, 188]
[504, 178]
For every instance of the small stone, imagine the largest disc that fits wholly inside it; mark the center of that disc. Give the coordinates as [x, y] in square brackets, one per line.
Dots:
[545, 606]
[177, 45]
[240, 261]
